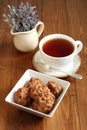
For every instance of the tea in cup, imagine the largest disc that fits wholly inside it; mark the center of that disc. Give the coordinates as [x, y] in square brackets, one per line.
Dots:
[59, 50]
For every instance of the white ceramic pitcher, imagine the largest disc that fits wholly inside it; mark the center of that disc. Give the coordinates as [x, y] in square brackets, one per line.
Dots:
[28, 41]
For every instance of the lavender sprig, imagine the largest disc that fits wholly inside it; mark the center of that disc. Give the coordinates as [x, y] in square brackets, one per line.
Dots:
[22, 19]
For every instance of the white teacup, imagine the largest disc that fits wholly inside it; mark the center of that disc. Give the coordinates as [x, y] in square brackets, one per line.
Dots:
[50, 53]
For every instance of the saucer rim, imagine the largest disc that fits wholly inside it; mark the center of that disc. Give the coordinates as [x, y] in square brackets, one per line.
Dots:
[61, 75]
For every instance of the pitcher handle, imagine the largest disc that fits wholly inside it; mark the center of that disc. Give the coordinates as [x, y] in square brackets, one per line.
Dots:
[40, 29]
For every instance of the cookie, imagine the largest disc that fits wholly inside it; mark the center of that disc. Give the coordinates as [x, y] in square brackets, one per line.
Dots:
[55, 88]
[44, 103]
[22, 96]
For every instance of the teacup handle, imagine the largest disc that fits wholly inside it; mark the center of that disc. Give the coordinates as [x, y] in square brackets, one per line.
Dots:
[40, 29]
[79, 45]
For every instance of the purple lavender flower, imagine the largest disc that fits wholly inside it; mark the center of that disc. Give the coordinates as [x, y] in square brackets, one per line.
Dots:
[22, 19]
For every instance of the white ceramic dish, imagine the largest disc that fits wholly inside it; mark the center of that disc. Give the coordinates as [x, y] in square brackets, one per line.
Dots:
[72, 69]
[44, 78]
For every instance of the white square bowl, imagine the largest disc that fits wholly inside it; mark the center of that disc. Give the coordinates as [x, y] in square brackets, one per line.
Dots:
[44, 78]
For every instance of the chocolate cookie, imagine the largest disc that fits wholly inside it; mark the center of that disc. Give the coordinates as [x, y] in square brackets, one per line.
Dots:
[44, 103]
[22, 96]
[55, 88]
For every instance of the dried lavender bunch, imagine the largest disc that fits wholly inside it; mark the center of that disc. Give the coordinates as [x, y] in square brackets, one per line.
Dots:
[22, 19]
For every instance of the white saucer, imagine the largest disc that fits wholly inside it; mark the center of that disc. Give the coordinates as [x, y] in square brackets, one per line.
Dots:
[37, 58]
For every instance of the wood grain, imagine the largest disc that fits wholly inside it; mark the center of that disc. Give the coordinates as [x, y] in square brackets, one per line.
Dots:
[59, 16]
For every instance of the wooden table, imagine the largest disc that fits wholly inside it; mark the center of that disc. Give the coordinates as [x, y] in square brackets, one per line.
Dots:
[59, 16]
